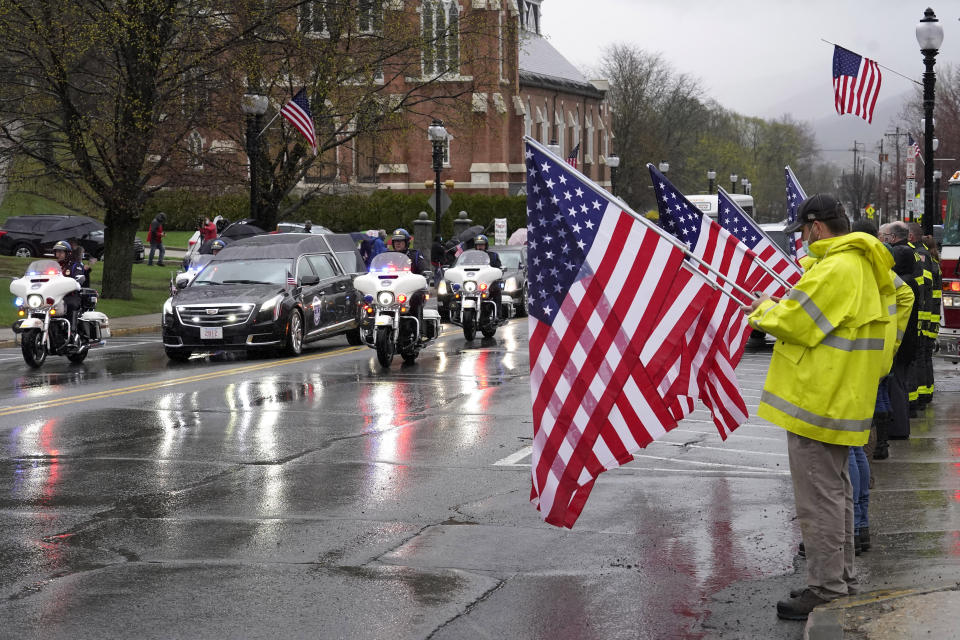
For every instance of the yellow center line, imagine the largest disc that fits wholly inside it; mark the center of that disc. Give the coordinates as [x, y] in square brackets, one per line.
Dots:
[220, 373]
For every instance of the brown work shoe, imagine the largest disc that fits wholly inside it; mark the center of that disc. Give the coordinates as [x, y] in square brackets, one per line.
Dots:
[796, 593]
[800, 607]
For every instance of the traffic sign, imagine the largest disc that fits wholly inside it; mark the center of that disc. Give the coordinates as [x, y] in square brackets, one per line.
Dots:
[870, 211]
[445, 202]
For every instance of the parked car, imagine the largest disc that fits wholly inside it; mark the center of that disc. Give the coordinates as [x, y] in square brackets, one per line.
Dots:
[514, 261]
[22, 236]
[298, 227]
[268, 292]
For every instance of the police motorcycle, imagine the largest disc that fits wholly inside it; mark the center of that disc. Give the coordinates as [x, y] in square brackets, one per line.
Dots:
[471, 280]
[393, 318]
[43, 325]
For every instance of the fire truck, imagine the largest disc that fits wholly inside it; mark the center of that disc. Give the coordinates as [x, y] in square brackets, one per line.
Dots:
[949, 338]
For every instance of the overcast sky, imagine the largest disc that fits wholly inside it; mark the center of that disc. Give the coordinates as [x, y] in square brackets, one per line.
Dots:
[757, 57]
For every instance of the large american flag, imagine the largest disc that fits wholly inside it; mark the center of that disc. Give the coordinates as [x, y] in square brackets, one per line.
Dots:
[609, 302]
[740, 224]
[856, 83]
[297, 112]
[705, 366]
[795, 195]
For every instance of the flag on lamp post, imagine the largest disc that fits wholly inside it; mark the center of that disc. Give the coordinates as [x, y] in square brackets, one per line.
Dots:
[856, 83]
[297, 113]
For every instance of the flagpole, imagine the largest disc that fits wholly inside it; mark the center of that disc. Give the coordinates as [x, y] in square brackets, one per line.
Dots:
[878, 64]
[600, 191]
[760, 263]
[268, 124]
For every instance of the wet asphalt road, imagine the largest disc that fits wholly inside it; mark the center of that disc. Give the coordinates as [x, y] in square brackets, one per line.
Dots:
[323, 497]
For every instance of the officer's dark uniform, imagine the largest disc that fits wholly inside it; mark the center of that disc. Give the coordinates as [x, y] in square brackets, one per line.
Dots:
[898, 384]
[72, 269]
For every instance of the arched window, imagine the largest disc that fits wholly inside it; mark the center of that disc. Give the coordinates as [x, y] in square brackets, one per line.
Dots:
[440, 22]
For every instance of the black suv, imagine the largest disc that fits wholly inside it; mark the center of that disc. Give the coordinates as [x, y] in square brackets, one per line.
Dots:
[20, 236]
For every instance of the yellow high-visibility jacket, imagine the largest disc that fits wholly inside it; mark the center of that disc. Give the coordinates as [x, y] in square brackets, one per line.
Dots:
[837, 334]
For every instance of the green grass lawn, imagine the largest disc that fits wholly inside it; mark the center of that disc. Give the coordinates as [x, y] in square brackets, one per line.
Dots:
[151, 286]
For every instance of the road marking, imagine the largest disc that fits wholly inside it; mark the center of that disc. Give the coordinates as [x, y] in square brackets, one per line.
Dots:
[95, 349]
[512, 459]
[151, 386]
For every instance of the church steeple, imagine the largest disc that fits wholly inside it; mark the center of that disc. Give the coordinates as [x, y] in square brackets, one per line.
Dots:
[530, 15]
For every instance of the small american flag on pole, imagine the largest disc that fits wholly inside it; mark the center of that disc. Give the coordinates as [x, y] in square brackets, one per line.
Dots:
[795, 195]
[609, 302]
[913, 148]
[856, 83]
[297, 112]
[291, 281]
[574, 156]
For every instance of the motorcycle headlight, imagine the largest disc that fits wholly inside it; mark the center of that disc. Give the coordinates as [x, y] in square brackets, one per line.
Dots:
[469, 286]
[34, 301]
[442, 288]
[385, 298]
[510, 284]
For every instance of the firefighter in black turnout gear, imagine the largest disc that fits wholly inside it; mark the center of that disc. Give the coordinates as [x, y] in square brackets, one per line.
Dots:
[921, 382]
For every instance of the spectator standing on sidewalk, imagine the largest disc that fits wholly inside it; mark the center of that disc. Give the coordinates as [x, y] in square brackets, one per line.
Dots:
[155, 238]
[834, 346]
[908, 267]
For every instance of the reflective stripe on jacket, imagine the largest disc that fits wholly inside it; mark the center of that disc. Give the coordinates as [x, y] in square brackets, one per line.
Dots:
[837, 336]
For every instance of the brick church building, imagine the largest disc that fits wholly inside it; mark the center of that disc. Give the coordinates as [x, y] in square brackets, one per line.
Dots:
[532, 90]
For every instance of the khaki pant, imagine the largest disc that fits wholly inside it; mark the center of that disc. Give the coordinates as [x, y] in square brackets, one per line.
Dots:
[824, 500]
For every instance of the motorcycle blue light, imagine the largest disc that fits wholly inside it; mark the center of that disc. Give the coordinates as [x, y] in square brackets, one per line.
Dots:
[456, 287]
[368, 298]
[18, 302]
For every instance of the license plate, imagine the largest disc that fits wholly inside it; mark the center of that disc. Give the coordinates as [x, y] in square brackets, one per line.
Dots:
[211, 333]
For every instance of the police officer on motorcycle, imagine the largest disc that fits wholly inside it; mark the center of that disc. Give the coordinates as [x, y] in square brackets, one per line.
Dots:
[482, 243]
[400, 242]
[63, 254]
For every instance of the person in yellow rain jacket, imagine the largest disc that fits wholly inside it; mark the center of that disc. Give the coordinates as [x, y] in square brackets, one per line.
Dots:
[836, 335]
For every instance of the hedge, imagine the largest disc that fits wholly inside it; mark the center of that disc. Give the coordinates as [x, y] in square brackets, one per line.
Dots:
[382, 210]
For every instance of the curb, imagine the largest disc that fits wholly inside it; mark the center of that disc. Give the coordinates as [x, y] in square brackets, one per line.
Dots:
[826, 622]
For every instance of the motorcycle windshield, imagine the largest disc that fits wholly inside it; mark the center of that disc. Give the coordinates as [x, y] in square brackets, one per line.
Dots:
[390, 262]
[43, 268]
[473, 258]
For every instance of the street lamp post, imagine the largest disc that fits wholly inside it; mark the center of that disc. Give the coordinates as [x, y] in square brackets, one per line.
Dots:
[664, 166]
[613, 161]
[438, 135]
[711, 176]
[254, 106]
[744, 182]
[733, 183]
[930, 37]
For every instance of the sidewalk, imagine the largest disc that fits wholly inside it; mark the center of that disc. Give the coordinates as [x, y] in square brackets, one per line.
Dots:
[128, 325]
[906, 614]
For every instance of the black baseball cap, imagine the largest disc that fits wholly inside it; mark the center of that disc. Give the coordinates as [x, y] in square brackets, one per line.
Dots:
[819, 206]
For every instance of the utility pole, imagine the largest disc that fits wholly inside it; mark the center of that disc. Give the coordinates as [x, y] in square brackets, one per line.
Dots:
[856, 185]
[896, 143]
[880, 183]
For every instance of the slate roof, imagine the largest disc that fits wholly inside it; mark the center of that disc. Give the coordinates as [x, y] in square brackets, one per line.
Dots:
[541, 65]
